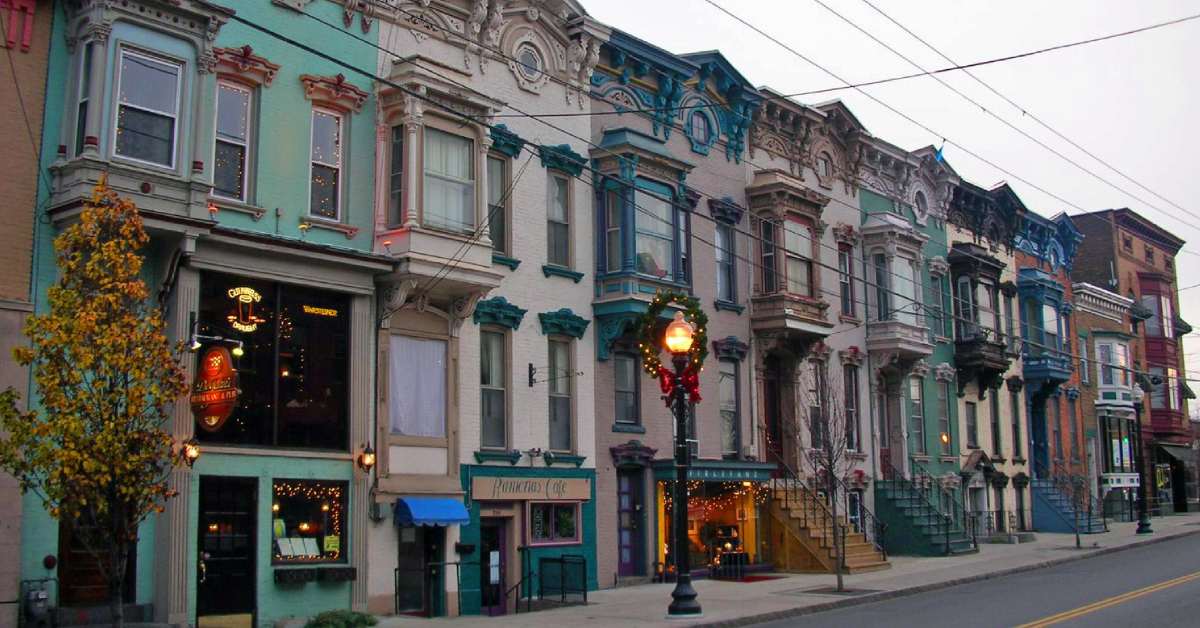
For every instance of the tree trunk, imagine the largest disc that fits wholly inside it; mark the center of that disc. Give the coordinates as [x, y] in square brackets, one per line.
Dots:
[838, 545]
[118, 556]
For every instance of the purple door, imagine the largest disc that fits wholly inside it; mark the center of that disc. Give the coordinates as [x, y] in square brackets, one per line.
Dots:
[630, 513]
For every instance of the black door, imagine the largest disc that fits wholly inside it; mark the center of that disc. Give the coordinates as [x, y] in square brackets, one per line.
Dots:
[491, 566]
[226, 580]
[418, 570]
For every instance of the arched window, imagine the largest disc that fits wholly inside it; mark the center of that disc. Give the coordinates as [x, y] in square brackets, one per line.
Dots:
[700, 131]
[824, 165]
[920, 204]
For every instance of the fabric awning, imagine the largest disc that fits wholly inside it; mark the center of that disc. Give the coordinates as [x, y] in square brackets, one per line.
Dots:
[430, 511]
[1182, 453]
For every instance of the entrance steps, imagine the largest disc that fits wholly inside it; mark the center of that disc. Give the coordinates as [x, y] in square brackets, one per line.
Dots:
[809, 546]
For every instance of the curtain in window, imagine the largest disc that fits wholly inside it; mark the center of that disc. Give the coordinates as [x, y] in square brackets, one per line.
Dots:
[560, 396]
[655, 235]
[491, 380]
[449, 181]
[417, 387]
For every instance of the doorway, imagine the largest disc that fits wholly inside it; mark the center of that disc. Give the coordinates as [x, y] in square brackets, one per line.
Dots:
[418, 580]
[630, 514]
[82, 579]
[225, 589]
[493, 560]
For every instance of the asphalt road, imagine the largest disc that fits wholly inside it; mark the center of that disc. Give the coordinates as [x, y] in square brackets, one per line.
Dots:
[1156, 585]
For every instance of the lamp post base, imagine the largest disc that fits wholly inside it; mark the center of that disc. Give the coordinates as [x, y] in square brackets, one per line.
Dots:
[1144, 526]
[683, 600]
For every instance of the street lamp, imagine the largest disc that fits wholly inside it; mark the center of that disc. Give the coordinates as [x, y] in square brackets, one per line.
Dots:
[1143, 526]
[678, 340]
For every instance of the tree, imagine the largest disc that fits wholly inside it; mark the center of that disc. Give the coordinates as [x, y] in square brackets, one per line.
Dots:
[829, 431]
[96, 452]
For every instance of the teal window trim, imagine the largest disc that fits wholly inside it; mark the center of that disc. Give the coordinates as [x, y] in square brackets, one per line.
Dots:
[551, 458]
[498, 311]
[628, 428]
[489, 455]
[564, 322]
[550, 270]
[504, 260]
[726, 306]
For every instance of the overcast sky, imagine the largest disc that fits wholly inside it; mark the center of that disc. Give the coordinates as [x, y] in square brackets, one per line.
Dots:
[1131, 101]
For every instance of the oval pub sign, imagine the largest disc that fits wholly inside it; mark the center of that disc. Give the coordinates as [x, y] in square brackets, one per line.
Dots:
[215, 392]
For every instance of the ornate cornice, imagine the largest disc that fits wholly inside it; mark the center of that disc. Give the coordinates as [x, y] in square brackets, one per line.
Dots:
[938, 266]
[562, 158]
[245, 66]
[1015, 383]
[632, 454]
[730, 348]
[725, 210]
[505, 141]
[846, 234]
[944, 372]
[564, 322]
[852, 356]
[335, 91]
[920, 368]
[498, 311]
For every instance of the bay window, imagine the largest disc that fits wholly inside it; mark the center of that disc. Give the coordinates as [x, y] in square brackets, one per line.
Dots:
[1168, 316]
[1050, 327]
[964, 302]
[558, 226]
[907, 288]
[986, 302]
[417, 371]
[231, 161]
[497, 204]
[85, 84]
[883, 288]
[1162, 319]
[395, 215]
[560, 394]
[449, 182]
[613, 258]
[655, 234]
[326, 164]
[769, 281]
[147, 113]
[725, 263]
[493, 366]
[798, 248]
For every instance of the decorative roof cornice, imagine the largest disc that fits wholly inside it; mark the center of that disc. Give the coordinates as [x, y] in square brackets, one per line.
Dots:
[564, 322]
[498, 311]
[505, 141]
[244, 65]
[335, 91]
[562, 158]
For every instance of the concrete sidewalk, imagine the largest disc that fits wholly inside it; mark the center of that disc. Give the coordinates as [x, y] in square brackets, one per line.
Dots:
[736, 603]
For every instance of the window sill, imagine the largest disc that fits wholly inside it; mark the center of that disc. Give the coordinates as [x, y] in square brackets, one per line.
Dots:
[972, 447]
[728, 306]
[218, 203]
[856, 455]
[550, 458]
[559, 271]
[850, 318]
[999, 459]
[497, 455]
[311, 222]
[920, 457]
[554, 543]
[629, 428]
[1017, 460]
[504, 260]
[948, 458]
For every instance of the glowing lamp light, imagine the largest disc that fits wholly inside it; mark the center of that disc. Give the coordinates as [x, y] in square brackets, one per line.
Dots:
[191, 451]
[304, 526]
[194, 345]
[747, 483]
[324, 507]
[238, 351]
[212, 527]
[945, 438]
[366, 459]
[678, 338]
[274, 507]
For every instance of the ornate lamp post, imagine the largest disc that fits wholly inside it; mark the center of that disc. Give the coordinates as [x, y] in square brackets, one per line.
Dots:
[678, 340]
[1143, 526]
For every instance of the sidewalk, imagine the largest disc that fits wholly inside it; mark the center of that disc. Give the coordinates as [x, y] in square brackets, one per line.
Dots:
[736, 603]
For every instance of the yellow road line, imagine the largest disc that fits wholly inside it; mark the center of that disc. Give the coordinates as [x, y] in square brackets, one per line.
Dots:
[1112, 601]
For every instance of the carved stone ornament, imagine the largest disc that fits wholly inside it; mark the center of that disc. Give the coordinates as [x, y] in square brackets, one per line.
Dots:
[819, 352]
[335, 91]
[394, 298]
[938, 266]
[461, 309]
[1015, 383]
[498, 311]
[852, 356]
[725, 210]
[564, 322]
[730, 348]
[944, 372]
[242, 64]
[920, 368]
[846, 234]
[632, 454]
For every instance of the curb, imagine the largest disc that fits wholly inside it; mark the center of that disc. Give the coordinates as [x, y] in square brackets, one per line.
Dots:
[933, 586]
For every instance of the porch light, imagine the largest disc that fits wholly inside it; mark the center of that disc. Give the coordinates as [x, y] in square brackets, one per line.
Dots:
[191, 451]
[366, 459]
[678, 338]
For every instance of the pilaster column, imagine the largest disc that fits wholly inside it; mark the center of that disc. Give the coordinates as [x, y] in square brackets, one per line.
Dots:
[482, 211]
[91, 128]
[362, 420]
[412, 168]
[203, 122]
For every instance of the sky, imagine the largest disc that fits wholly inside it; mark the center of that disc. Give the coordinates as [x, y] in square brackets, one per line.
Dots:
[1129, 101]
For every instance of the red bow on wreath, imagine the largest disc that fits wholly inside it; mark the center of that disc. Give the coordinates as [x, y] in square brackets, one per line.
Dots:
[691, 383]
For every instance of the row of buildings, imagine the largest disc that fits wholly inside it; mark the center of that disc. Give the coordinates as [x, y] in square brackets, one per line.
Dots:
[430, 226]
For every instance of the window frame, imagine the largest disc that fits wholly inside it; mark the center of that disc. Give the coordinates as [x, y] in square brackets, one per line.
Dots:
[343, 545]
[737, 408]
[997, 430]
[769, 261]
[396, 437]
[394, 218]
[472, 142]
[505, 386]
[555, 178]
[850, 391]
[503, 244]
[636, 392]
[552, 369]
[660, 192]
[1015, 403]
[339, 188]
[247, 144]
[916, 414]
[846, 280]
[180, 67]
[944, 397]
[83, 98]
[553, 505]
[724, 233]
[807, 261]
[613, 229]
[971, 419]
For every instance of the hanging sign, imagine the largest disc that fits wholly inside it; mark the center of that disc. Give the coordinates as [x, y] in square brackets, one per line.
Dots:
[215, 392]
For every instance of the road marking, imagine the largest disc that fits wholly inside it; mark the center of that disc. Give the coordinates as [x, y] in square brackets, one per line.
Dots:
[1107, 602]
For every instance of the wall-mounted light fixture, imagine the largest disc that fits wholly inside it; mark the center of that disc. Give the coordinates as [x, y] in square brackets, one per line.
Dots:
[366, 459]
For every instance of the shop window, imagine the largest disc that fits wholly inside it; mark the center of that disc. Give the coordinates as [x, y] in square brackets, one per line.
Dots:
[553, 523]
[723, 524]
[625, 375]
[417, 386]
[449, 182]
[727, 389]
[293, 376]
[147, 108]
[493, 365]
[497, 201]
[395, 215]
[558, 222]
[326, 167]
[560, 394]
[308, 522]
[231, 161]
[726, 284]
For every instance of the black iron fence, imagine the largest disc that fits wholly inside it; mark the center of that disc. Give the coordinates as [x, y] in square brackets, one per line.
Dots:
[562, 577]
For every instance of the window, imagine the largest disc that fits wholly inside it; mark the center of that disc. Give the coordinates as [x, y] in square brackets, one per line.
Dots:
[529, 62]
[816, 417]
[1171, 384]
[497, 184]
[1057, 428]
[1149, 254]
[726, 290]
[824, 165]
[1085, 368]
[946, 298]
[85, 86]
[965, 308]
[625, 375]
[944, 416]
[700, 131]
[294, 373]
[997, 443]
[846, 279]
[730, 421]
[1050, 327]
[612, 234]
[1009, 324]
[232, 160]
[917, 414]
[883, 291]
[1073, 429]
[449, 182]
[560, 395]
[972, 425]
[553, 523]
[655, 234]
[1162, 320]
[147, 109]
[987, 308]
[798, 247]
[1166, 396]
[325, 184]
[1104, 352]
[395, 215]
[417, 386]
[1126, 243]
[1014, 399]
[558, 226]
[493, 365]
[308, 521]
[1168, 316]
[921, 205]
[682, 223]
[769, 283]
[908, 290]
[850, 392]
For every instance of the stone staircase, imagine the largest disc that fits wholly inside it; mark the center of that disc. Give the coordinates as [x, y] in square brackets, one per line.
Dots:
[915, 525]
[1054, 511]
[810, 545]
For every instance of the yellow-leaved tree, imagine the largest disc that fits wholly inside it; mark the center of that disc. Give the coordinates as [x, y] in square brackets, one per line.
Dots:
[93, 447]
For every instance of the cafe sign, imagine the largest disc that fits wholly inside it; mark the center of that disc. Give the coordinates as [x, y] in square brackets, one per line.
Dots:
[215, 392]
[523, 489]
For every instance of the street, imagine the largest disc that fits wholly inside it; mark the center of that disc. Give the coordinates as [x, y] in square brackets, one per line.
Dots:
[1154, 585]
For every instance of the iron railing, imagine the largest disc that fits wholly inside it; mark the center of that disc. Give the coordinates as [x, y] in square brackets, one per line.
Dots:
[1075, 487]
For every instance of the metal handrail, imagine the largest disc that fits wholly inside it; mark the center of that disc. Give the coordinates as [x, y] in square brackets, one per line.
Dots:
[957, 512]
[1075, 487]
[870, 526]
[527, 575]
[813, 509]
[896, 476]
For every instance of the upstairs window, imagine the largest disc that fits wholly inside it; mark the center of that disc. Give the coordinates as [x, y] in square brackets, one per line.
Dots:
[147, 109]
[769, 281]
[655, 235]
[497, 181]
[964, 300]
[916, 414]
[625, 388]
[558, 222]
[449, 182]
[850, 399]
[1168, 316]
[1085, 367]
[612, 231]
[986, 301]
[883, 287]
[85, 86]
[727, 389]
[798, 247]
[725, 263]
[417, 374]
[824, 165]
[561, 375]
[972, 425]
[493, 365]
[232, 158]
[1050, 327]
[846, 279]
[700, 130]
[326, 174]
[395, 215]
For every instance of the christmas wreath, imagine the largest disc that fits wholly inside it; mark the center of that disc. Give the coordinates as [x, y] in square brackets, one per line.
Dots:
[649, 330]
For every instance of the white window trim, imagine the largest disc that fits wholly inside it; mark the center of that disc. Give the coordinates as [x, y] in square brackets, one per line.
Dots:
[117, 104]
[246, 143]
[341, 120]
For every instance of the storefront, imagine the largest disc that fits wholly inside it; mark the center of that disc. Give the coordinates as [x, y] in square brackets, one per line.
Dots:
[1119, 479]
[728, 517]
[525, 521]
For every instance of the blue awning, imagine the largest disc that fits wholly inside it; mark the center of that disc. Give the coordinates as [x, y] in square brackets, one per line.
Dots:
[430, 511]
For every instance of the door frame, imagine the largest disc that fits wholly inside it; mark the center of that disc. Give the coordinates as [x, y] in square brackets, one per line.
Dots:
[253, 482]
[504, 525]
